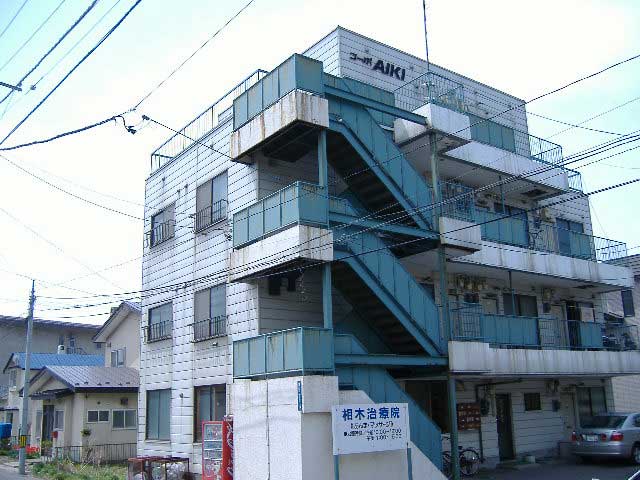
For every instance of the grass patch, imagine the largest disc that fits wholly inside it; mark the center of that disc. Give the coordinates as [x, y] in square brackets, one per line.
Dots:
[78, 471]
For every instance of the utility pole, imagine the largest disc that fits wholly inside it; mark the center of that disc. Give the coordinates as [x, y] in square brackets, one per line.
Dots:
[25, 390]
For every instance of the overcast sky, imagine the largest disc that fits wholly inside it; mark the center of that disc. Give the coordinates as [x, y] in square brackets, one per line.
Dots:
[523, 48]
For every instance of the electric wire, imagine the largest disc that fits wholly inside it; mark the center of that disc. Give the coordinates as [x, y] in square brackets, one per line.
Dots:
[75, 67]
[55, 45]
[15, 15]
[215, 34]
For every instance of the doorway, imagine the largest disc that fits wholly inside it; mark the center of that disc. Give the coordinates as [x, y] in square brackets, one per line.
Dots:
[567, 400]
[47, 421]
[504, 426]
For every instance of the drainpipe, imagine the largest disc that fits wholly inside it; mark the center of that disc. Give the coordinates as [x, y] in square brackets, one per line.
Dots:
[323, 181]
[477, 392]
[513, 296]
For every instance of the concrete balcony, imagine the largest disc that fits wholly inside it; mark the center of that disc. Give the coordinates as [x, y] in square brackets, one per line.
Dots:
[281, 113]
[572, 259]
[287, 227]
[511, 345]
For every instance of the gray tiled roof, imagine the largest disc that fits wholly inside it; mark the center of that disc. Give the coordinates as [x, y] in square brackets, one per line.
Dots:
[82, 377]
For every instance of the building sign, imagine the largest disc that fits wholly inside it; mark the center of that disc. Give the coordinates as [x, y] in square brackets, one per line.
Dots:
[370, 427]
[469, 416]
[385, 68]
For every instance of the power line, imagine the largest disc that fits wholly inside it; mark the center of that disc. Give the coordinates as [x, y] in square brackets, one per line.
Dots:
[67, 192]
[215, 34]
[574, 125]
[26, 42]
[4, 30]
[52, 244]
[55, 45]
[80, 62]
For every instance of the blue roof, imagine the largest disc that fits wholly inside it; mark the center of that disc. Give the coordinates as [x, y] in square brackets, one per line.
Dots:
[41, 360]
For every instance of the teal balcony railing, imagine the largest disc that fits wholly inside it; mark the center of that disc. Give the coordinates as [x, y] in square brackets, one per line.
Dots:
[299, 203]
[297, 72]
[298, 351]
[544, 237]
[469, 323]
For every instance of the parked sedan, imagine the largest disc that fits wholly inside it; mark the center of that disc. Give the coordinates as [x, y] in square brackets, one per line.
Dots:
[609, 435]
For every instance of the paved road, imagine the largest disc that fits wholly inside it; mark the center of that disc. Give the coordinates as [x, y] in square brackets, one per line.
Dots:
[10, 473]
[605, 470]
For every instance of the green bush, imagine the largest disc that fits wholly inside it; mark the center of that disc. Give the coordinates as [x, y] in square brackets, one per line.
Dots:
[64, 470]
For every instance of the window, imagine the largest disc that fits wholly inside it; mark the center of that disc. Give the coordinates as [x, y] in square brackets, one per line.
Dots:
[532, 402]
[211, 404]
[160, 322]
[525, 305]
[492, 133]
[162, 226]
[118, 357]
[61, 340]
[210, 312]
[14, 377]
[97, 416]
[124, 419]
[8, 417]
[211, 201]
[158, 414]
[627, 303]
[591, 401]
[58, 420]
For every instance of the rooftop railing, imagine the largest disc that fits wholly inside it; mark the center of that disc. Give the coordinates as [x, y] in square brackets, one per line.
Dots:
[546, 237]
[470, 323]
[200, 126]
[297, 351]
[431, 88]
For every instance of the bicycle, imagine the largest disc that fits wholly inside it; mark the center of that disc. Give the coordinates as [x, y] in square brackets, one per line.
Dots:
[469, 460]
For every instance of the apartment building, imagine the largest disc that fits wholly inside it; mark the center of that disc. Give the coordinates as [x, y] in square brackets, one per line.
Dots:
[350, 228]
[622, 314]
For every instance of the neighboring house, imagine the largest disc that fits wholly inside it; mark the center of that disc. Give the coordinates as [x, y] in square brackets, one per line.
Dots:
[15, 369]
[88, 407]
[48, 335]
[120, 336]
[622, 312]
[318, 268]
[93, 409]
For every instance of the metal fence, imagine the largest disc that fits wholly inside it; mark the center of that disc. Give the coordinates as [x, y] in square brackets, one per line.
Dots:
[200, 126]
[212, 327]
[431, 88]
[458, 201]
[157, 331]
[470, 323]
[160, 233]
[546, 237]
[92, 454]
[210, 215]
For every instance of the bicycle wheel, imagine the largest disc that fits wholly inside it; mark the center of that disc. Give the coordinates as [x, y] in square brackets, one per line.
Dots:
[469, 462]
[446, 464]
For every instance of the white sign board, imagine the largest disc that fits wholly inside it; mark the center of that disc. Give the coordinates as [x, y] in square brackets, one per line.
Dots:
[370, 427]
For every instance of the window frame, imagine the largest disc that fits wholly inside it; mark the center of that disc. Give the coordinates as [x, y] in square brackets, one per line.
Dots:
[164, 331]
[532, 401]
[214, 198]
[159, 393]
[98, 412]
[157, 221]
[118, 362]
[217, 389]
[57, 414]
[628, 308]
[213, 301]
[124, 418]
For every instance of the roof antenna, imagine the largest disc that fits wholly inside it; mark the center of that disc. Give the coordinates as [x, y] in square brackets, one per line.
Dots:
[426, 41]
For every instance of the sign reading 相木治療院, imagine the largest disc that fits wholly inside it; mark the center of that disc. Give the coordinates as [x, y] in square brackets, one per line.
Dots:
[373, 427]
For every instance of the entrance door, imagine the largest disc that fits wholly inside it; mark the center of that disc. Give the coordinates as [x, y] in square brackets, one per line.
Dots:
[47, 421]
[505, 427]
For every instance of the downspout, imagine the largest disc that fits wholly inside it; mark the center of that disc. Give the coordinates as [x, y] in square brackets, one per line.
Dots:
[477, 392]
